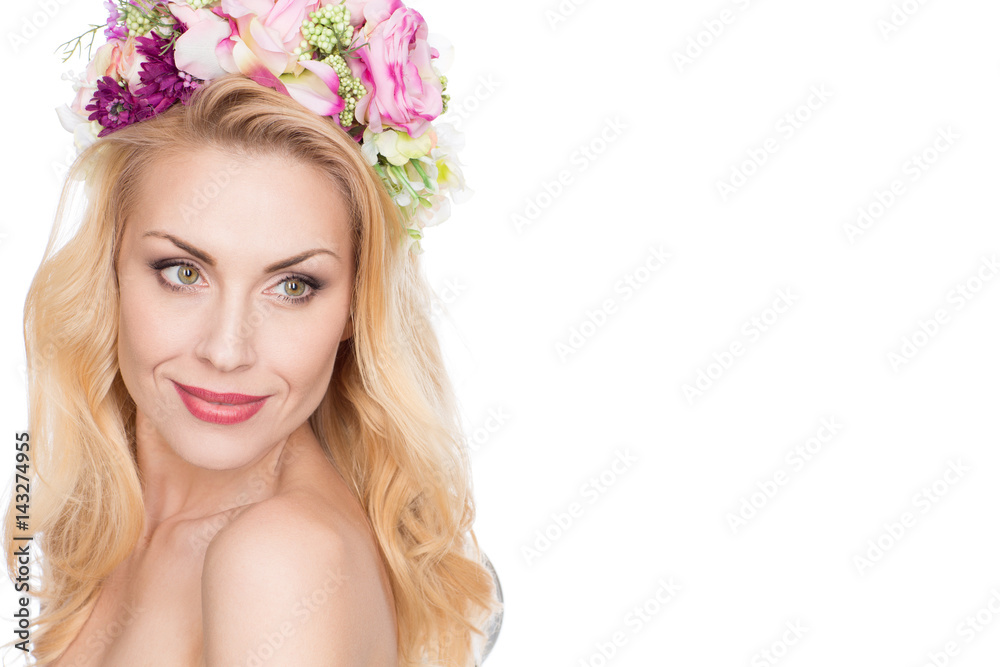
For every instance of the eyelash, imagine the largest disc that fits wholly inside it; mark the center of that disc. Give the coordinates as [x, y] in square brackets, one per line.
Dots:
[314, 285]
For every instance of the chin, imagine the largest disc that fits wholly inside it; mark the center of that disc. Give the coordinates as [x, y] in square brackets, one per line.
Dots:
[217, 452]
[218, 460]
[209, 446]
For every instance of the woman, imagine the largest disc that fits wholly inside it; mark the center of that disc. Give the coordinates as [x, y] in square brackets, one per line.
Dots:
[246, 442]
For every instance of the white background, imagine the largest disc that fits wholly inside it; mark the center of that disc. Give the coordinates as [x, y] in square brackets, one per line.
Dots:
[532, 85]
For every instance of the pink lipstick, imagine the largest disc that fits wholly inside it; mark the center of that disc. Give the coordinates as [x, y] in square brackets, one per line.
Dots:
[216, 408]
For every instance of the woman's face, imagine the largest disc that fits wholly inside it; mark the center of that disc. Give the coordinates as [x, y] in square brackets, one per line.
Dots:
[235, 277]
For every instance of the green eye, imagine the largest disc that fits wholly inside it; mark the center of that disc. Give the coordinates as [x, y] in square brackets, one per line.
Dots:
[188, 275]
[294, 287]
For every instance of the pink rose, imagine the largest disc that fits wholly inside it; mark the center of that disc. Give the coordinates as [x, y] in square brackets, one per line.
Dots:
[262, 45]
[117, 58]
[267, 31]
[356, 7]
[404, 90]
[199, 51]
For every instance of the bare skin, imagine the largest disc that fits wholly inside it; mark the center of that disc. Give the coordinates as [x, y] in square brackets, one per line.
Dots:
[150, 611]
[255, 550]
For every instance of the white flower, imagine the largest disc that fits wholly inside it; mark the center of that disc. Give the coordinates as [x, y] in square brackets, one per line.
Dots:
[439, 211]
[84, 130]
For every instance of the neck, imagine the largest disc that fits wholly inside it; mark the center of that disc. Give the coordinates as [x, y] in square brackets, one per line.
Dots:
[174, 489]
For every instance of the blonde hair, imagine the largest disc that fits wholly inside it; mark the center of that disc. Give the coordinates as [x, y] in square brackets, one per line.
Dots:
[389, 419]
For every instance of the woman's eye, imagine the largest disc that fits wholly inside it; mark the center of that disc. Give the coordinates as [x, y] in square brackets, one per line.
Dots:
[294, 287]
[182, 274]
[177, 276]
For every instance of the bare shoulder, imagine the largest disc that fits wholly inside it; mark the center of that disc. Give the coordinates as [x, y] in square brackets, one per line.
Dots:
[293, 584]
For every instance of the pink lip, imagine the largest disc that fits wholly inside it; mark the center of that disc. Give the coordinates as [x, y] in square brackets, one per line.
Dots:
[202, 404]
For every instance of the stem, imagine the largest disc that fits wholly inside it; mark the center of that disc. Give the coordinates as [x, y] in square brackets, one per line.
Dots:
[386, 181]
[406, 182]
[420, 170]
[77, 43]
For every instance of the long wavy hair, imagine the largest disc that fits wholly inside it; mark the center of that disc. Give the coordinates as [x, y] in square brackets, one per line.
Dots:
[389, 420]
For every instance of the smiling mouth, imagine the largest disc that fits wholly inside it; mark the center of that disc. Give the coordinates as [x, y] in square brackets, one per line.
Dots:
[206, 406]
[215, 398]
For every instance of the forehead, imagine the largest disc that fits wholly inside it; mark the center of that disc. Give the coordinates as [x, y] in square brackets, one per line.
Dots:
[263, 205]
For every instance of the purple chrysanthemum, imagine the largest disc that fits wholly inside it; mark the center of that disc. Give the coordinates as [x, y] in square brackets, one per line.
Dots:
[114, 107]
[162, 83]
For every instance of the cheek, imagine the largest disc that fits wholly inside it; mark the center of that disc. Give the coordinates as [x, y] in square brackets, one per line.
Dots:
[144, 338]
[302, 349]
[130, 331]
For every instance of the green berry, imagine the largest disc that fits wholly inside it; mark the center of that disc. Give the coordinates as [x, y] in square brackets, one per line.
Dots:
[329, 28]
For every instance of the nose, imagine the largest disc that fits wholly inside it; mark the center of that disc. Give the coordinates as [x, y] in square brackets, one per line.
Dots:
[228, 333]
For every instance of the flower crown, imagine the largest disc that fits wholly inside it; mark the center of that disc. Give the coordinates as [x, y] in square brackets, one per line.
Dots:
[366, 63]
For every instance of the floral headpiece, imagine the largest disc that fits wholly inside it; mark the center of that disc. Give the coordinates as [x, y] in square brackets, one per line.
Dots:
[366, 63]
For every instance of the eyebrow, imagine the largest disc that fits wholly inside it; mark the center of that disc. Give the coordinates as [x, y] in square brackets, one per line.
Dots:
[208, 259]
